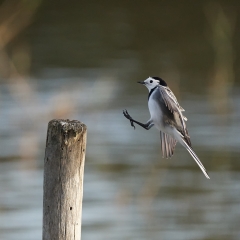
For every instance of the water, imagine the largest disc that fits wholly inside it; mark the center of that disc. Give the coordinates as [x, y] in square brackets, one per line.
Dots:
[130, 192]
[85, 66]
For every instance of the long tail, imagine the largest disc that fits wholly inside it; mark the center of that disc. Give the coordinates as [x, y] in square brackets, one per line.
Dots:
[195, 157]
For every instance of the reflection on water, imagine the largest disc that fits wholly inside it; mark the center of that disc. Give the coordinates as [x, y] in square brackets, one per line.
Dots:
[86, 59]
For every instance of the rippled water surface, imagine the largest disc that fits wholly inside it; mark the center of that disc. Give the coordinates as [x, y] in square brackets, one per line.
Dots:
[129, 190]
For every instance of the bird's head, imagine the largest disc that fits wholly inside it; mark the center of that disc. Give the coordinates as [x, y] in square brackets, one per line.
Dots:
[152, 82]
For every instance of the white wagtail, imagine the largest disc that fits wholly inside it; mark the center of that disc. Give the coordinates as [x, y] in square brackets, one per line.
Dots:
[166, 116]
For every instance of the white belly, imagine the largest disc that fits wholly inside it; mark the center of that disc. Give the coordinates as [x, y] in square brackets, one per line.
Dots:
[156, 114]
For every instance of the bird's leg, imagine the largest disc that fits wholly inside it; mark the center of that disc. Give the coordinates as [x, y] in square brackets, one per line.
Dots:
[147, 125]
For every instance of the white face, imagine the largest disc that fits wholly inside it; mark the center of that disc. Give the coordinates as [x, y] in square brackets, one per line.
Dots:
[151, 83]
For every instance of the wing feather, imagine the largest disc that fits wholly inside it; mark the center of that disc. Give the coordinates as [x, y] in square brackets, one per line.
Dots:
[173, 106]
[167, 145]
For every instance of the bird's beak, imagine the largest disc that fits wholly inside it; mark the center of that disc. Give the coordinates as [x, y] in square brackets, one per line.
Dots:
[142, 83]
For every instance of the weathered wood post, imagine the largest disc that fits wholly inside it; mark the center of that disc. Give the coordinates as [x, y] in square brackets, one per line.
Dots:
[63, 180]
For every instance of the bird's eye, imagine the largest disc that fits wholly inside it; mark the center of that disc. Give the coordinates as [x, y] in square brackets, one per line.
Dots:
[151, 81]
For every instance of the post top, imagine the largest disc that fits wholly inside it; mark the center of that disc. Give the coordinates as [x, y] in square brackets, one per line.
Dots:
[67, 124]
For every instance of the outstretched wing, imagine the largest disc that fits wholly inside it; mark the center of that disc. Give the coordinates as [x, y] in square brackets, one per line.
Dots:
[172, 104]
[167, 144]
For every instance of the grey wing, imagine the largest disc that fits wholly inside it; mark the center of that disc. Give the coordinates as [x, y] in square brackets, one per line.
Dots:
[172, 104]
[167, 144]
[169, 99]
[172, 96]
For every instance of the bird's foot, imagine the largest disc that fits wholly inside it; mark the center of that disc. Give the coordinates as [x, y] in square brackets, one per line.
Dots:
[126, 115]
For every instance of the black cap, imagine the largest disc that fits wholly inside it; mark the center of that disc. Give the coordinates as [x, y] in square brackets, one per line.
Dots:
[161, 81]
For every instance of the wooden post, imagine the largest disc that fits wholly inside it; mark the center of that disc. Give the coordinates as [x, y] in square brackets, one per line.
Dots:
[63, 180]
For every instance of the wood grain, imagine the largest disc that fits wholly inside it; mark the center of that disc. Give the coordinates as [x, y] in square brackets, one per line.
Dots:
[63, 179]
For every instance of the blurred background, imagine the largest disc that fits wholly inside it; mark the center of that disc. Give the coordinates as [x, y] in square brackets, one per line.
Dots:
[81, 60]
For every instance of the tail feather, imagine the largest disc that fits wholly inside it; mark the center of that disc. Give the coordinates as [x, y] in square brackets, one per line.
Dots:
[197, 160]
[167, 144]
[162, 144]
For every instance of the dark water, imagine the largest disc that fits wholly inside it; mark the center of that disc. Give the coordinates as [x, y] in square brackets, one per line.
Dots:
[83, 63]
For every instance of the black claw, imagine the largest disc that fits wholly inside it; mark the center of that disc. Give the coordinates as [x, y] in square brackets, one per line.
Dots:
[126, 115]
[132, 124]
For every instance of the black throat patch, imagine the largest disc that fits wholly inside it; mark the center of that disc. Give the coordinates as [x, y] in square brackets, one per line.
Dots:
[150, 93]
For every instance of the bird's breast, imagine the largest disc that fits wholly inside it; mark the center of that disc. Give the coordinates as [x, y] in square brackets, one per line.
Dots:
[156, 113]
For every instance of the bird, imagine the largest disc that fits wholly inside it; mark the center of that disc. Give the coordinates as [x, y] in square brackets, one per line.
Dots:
[167, 116]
